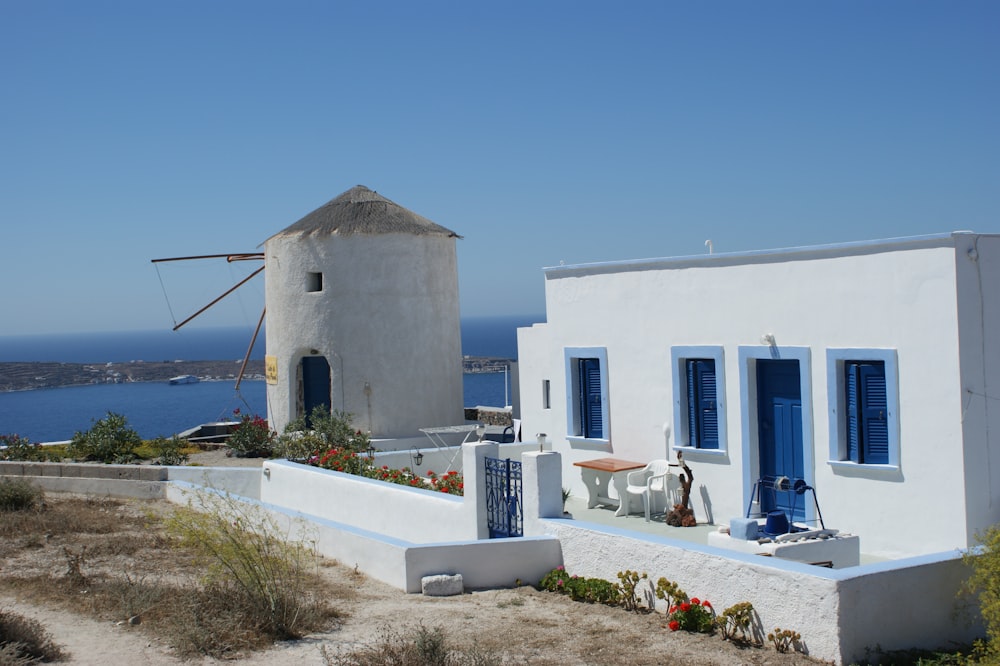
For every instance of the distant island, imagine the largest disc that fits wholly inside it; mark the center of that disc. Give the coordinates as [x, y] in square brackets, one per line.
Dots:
[24, 376]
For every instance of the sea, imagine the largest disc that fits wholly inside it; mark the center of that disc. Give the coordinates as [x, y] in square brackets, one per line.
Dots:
[156, 409]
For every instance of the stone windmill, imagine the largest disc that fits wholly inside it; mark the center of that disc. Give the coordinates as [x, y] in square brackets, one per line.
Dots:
[363, 316]
[361, 297]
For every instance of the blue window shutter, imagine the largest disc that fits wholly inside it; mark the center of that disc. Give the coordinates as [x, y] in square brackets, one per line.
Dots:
[852, 381]
[874, 414]
[703, 413]
[692, 402]
[592, 421]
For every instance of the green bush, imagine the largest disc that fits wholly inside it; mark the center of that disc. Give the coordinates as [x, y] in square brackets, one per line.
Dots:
[19, 495]
[985, 584]
[109, 440]
[330, 429]
[169, 451]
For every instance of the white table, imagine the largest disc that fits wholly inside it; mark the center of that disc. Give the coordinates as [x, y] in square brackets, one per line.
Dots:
[600, 474]
[436, 435]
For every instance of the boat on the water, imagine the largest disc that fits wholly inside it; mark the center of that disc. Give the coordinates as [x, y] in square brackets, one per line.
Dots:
[184, 379]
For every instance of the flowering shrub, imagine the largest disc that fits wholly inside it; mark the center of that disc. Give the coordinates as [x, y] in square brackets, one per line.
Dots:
[695, 615]
[252, 437]
[343, 460]
[351, 462]
[15, 447]
[591, 590]
[452, 482]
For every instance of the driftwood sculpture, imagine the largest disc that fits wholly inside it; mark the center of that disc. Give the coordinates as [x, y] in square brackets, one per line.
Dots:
[682, 515]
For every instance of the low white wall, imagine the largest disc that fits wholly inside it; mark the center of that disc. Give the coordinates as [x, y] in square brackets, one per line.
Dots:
[839, 613]
[139, 481]
[905, 604]
[489, 564]
[410, 514]
[242, 481]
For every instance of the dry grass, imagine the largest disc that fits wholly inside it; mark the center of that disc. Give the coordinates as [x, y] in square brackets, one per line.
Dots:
[25, 641]
[115, 561]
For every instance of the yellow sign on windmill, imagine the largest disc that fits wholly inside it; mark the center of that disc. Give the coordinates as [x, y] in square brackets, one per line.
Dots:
[271, 369]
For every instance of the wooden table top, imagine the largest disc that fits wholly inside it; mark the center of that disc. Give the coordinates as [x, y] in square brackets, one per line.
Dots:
[610, 464]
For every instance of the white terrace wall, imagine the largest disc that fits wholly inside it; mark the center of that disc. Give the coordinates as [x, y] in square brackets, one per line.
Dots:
[810, 300]
[410, 514]
[839, 613]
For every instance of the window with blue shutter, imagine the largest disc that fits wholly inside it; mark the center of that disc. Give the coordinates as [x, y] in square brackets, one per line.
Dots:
[591, 415]
[863, 387]
[867, 412]
[702, 405]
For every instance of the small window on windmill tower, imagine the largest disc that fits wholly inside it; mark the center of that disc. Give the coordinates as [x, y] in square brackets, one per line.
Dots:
[314, 282]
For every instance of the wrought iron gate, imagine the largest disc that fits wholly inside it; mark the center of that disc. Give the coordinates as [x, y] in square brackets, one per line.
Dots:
[504, 514]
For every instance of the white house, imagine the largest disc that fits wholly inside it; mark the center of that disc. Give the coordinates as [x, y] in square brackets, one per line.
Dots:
[870, 370]
[362, 307]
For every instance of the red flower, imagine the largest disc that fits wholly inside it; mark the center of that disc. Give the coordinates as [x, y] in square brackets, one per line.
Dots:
[706, 604]
[696, 601]
[674, 625]
[685, 607]
[673, 609]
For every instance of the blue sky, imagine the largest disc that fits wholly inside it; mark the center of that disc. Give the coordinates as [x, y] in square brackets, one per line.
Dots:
[540, 131]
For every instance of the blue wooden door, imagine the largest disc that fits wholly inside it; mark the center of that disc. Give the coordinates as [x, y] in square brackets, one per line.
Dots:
[315, 384]
[779, 423]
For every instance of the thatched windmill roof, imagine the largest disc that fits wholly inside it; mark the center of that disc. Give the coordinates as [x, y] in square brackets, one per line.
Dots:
[362, 211]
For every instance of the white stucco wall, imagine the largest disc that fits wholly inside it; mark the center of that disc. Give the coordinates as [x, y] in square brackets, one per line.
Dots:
[839, 613]
[386, 320]
[978, 265]
[411, 514]
[810, 300]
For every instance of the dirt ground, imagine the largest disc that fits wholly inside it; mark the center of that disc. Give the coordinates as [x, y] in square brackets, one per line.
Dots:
[525, 625]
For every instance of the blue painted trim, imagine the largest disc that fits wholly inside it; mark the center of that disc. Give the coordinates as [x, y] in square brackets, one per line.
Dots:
[573, 419]
[679, 354]
[748, 414]
[835, 395]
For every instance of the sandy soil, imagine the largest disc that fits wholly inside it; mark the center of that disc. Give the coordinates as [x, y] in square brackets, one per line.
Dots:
[524, 624]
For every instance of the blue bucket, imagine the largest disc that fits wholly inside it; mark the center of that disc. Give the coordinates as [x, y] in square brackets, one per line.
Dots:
[776, 523]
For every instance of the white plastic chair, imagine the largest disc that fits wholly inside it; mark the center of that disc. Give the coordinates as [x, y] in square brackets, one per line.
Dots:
[653, 478]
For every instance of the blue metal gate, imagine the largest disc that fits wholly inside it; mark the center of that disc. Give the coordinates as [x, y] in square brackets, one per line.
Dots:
[504, 514]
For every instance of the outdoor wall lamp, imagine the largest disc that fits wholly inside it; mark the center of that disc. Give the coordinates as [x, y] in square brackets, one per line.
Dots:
[480, 431]
[371, 452]
[541, 440]
[416, 457]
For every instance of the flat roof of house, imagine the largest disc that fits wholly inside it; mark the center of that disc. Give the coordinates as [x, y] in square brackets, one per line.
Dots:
[766, 256]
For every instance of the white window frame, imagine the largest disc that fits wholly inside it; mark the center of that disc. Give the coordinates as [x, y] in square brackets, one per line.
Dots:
[836, 395]
[574, 420]
[678, 357]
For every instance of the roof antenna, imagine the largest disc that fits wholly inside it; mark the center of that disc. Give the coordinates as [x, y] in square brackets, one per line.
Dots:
[708, 244]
